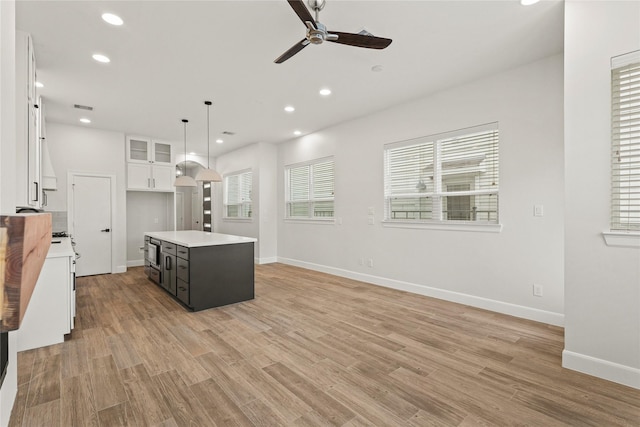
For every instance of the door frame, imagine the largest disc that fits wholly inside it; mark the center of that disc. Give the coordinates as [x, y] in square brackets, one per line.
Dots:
[112, 201]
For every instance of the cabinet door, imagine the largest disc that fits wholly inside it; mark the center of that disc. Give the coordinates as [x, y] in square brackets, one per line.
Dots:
[33, 165]
[163, 177]
[138, 149]
[161, 152]
[169, 277]
[138, 176]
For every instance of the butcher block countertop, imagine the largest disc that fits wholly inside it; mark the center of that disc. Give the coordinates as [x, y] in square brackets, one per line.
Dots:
[194, 238]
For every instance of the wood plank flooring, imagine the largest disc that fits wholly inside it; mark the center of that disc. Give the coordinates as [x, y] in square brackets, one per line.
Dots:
[310, 350]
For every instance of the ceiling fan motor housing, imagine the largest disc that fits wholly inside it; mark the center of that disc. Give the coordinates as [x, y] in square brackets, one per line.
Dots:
[317, 35]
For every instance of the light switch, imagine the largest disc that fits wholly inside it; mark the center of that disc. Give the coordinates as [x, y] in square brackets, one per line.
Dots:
[371, 220]
[371, 210]
[538, 210]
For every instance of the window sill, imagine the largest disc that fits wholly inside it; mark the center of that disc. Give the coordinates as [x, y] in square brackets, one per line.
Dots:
[237, 219]
[485, 228]
[328, 221]
[623, 239]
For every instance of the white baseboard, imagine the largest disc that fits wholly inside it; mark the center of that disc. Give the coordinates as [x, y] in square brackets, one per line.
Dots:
[529, 313]
[135, 263]
[601, 368]
[267, 260]
[122, 268]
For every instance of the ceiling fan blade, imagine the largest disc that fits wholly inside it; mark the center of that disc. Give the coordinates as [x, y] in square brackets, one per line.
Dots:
[292, 51]
[301, 10]
[360, 40]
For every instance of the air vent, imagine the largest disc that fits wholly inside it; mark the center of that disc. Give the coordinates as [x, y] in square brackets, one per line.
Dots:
[226, 132]
[82, 107]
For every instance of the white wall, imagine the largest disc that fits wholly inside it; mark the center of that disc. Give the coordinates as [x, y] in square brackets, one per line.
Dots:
[492, 270]
[602, 283]
[7, 176]
[146, 211]
[80, 149]
[261, 159]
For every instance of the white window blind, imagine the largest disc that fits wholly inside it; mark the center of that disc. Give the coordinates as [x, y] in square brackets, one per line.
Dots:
[443, 178]
[625, 129]
[309, 190]
[237, 195]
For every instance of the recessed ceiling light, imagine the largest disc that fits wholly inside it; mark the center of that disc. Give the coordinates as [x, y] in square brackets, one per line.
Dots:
[112, 19]
[297, 133]
[219, 141]
[325, 92]
[289, 109]
[528, 2]
[101, 58]
[39, 85]
[85, 120]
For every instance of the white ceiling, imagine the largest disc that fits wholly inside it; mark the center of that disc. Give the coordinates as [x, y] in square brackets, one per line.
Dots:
[170, 56]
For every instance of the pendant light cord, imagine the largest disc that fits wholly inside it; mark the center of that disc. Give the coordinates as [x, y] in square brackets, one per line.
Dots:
[184, 164]
[208, 104]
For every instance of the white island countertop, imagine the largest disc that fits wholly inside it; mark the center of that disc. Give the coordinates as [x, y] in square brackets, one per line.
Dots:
[194, 238]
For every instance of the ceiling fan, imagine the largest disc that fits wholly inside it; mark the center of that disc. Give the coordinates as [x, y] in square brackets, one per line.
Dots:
[318, 33]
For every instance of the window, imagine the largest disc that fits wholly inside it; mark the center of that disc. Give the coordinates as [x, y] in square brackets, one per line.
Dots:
[237, 195]
[309, 190]
[625, 136]
[444, 178]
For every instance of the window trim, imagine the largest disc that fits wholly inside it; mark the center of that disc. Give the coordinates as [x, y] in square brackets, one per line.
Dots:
[287, 190]
[623, 231]
[442, 224]
[225, 217]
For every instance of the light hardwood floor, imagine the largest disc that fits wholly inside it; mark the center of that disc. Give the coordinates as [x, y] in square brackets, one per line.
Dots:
[311, 349]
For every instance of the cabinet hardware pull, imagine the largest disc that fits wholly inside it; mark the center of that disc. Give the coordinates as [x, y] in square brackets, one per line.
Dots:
[37, 190]
[154, 183]
[149, 182]
[167, 261]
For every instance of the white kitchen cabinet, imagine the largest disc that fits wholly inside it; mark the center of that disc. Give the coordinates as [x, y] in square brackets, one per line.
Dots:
[49, 315]
[150, 177]
[146, 150]
[28, 146]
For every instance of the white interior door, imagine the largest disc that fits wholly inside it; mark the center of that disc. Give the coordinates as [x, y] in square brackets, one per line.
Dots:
[92, 227]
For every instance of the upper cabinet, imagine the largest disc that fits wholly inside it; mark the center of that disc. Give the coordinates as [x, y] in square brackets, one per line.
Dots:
[149, 166]
[28, 127]
[145, 150]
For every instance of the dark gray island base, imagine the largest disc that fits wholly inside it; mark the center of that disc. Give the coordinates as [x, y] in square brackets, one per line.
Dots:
[202, 270]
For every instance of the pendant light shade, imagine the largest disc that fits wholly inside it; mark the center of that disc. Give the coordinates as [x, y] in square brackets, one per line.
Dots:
[185, 180]
[208, 174]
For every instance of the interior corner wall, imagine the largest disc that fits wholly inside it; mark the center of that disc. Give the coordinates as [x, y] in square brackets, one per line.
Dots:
[146, 211]
[268, 214]
[602, 283]
[490, 270]
[242, 159]
[79, 149]
[8, 172]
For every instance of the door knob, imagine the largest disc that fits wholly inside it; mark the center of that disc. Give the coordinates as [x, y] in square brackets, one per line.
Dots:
[106, 230]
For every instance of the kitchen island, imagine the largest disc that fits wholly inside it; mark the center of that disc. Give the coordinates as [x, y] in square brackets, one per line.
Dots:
[200, 269]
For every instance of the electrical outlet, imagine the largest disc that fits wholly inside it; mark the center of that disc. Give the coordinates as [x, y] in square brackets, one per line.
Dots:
[371, 210]
[537, 290]
[370, 262]
[538, 210]
[372, 220]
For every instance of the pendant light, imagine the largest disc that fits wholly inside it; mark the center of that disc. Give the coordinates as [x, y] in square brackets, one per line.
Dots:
[185, 180]
[208, 174]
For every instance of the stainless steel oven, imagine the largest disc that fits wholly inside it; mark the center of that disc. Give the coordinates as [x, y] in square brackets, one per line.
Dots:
[152, 259]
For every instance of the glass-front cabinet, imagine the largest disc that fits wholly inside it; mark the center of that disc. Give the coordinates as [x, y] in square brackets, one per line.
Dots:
[146, 150]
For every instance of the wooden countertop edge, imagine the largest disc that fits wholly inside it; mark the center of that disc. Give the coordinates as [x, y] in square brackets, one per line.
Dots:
[24, 242]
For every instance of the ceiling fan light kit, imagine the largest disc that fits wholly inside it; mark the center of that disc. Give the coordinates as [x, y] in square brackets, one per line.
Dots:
[317, 32]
